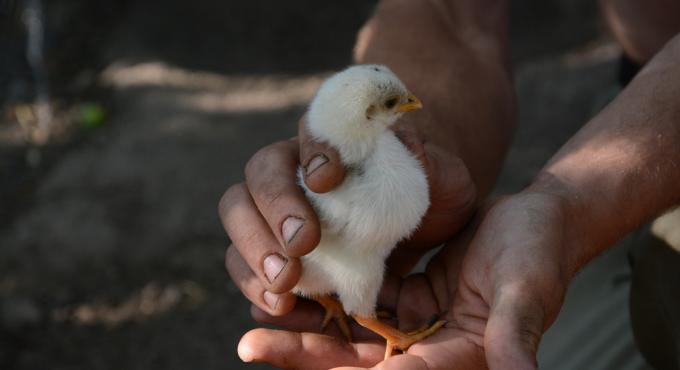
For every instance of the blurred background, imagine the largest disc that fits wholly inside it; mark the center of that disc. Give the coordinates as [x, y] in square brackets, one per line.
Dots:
[123, 122]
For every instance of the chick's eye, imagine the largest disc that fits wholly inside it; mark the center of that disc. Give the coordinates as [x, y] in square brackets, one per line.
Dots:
[391, 102]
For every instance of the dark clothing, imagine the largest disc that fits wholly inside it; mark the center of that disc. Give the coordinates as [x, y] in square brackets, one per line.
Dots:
[627, 70]
[655, 302]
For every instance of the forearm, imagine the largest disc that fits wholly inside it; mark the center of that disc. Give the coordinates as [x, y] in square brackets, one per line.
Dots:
[453, 55]
[623, 167]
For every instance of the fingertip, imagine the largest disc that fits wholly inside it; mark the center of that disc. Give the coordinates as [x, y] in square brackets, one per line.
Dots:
[277, 305]
[286, 304]
[255, 345]
[304, 239]
[245, 349]
[254, 289]
[323, 170]
[322, 167]
[259, 314]
[287, 278]
[271, 346]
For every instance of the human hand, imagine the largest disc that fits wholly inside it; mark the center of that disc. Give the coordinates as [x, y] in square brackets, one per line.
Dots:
[499, 294]
[271, 223]
[455, 59]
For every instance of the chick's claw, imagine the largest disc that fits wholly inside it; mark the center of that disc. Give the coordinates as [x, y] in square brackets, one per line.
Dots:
[433, 322]
[397, 339]
[334, 310]
[418, 335]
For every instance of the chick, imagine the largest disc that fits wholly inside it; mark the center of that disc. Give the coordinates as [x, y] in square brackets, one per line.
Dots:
[381, 201]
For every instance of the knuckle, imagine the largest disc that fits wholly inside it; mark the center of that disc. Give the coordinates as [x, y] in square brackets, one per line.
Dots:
[250, 240]
[248, 245]
[258, 161]
[232, 196]
[230, 257]
[270, 195]
[263, 159]
[529, 339]
[265, 175]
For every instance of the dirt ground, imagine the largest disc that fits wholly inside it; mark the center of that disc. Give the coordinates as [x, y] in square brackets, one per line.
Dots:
[111, 253]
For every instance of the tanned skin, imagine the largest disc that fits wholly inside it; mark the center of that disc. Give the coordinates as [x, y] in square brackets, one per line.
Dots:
[501, 279]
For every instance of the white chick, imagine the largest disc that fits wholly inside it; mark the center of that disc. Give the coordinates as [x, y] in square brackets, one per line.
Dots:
[380, 202]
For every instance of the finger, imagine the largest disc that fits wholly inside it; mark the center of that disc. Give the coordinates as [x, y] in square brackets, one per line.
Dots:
[388, 297]
[452, 199]
[514, 330]
[292, 350]
[307, 317]
[417, 304]
[271, 176]
[400, 362]
[323, 168]
[452, 194]
[446, 265]
[244, 278]
[450, 348]
[255, 243]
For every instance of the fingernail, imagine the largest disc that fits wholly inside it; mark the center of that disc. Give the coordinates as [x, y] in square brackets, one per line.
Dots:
[271, 299]
[273, 265]
[290, 228]
[316, 162]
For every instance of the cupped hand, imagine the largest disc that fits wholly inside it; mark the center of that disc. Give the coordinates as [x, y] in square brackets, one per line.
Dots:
[271, 223]
[500, 288]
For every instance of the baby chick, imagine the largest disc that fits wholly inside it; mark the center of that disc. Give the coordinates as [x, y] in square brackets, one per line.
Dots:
[380, 202]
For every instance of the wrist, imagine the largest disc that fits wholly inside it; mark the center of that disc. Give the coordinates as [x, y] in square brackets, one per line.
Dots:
[576, 249]
[619, 171]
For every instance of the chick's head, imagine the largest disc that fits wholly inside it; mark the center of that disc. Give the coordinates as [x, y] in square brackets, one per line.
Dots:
[358, 104]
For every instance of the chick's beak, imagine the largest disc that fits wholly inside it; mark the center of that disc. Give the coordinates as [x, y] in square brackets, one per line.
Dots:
[412, 103]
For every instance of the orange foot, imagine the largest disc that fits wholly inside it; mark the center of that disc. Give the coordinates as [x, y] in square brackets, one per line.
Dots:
[334, 310]
[397, 339]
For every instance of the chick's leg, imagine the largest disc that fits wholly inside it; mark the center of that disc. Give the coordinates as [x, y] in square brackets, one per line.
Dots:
[334, 310]
[397, 339]
[426, 326]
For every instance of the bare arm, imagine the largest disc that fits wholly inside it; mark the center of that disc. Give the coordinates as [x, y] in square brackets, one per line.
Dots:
[623, 167]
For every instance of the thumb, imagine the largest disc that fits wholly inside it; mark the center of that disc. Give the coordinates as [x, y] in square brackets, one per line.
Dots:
[322, 168]
[453, 194]
[516, 323]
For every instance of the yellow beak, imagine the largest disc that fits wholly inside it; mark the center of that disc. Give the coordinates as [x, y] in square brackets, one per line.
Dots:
[412, 103]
